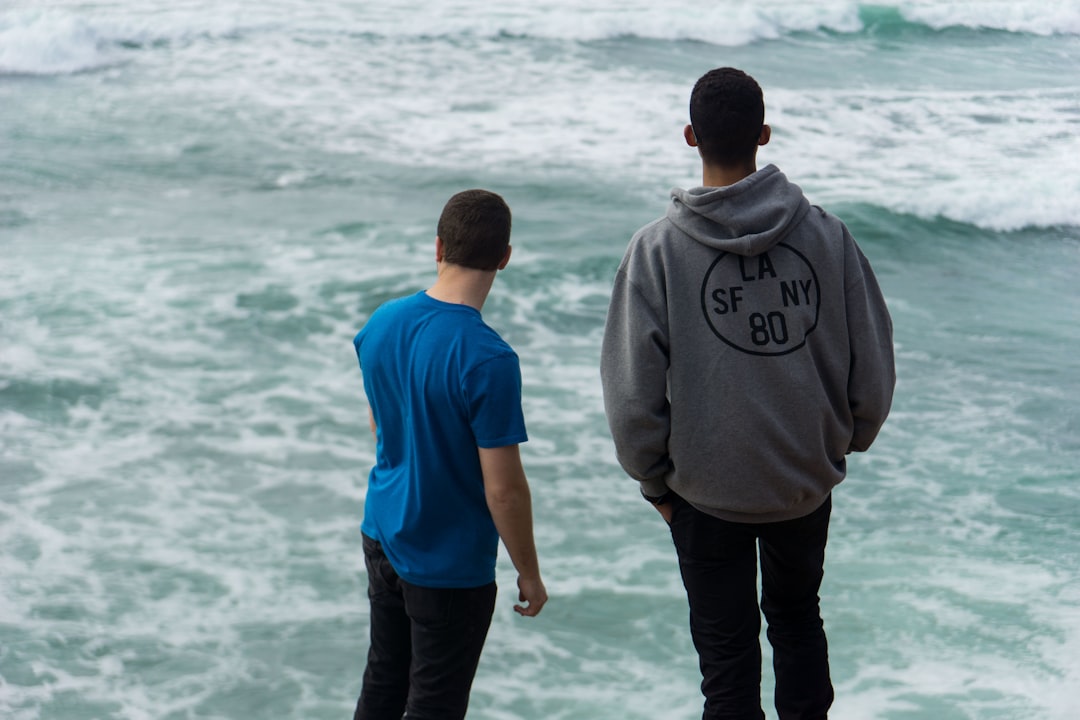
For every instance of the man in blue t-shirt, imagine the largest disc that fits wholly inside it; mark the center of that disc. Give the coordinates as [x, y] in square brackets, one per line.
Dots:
[444, 392]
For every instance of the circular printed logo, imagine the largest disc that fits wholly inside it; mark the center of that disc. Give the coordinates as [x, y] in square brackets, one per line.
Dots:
[762, 305]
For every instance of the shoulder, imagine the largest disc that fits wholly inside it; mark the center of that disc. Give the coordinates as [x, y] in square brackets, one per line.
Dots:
[823, 216]
[491, 365]
[392, 308]
[488, 345]
[387, 315]
[652, 229]
[653, 233]
[827, 229]
[484, 345]
[648, 243]
[406, 303]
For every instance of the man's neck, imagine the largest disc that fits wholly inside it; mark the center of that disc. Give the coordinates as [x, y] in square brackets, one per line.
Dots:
[722, 176]
[462, 286]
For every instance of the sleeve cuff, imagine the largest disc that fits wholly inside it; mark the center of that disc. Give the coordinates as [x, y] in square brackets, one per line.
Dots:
[654, 488]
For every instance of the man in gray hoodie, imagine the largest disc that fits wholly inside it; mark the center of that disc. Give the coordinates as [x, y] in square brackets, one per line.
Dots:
[747, 351]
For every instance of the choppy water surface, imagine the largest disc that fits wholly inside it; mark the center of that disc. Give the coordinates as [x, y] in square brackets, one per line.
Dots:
[200, 205]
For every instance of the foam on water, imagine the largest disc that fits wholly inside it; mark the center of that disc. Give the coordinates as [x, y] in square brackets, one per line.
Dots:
[585, 115]
[181, 533]
[42, 44]
[65, 38]
[1050, 17]
[58, 40]
[724, 23]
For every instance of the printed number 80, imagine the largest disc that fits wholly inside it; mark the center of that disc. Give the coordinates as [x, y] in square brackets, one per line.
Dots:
[768, 328]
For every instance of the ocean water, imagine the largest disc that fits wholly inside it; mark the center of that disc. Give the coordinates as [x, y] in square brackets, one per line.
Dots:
[201, 202]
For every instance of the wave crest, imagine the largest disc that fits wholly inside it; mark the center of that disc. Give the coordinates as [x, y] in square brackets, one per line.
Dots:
[49, 44]
[1038, 18]
[731, 23]
[55, 42]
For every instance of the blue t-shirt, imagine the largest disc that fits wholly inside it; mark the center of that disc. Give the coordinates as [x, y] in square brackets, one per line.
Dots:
[440, 383]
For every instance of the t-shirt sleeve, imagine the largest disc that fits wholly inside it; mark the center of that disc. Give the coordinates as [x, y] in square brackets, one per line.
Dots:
[493, 392]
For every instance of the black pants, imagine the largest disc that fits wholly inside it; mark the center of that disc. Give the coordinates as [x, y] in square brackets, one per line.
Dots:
[425, 645]
[718, 561]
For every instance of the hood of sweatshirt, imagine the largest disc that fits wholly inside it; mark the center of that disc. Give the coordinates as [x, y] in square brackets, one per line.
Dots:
[746, 218]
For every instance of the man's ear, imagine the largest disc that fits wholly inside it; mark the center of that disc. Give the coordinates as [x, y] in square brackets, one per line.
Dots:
[506, 257]
[438, 249]
[688, 134]
[766, 133]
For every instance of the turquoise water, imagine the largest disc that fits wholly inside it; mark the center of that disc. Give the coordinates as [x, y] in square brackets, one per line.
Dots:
[200, 205]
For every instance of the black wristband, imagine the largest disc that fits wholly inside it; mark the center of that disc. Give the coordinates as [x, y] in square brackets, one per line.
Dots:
[657, 500]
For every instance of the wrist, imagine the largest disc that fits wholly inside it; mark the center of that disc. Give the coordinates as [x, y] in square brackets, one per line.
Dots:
[662, 499]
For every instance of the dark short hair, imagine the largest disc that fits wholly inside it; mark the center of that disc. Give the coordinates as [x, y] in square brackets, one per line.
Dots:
[475, 229]
[727, 112]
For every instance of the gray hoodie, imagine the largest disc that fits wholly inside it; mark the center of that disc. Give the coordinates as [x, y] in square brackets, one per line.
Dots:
[747, 351]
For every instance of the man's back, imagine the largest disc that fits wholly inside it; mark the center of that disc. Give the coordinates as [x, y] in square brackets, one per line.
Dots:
[440, 382]
[756, 304]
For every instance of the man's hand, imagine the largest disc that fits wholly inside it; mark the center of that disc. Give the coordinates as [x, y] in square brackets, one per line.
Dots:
[533, 593]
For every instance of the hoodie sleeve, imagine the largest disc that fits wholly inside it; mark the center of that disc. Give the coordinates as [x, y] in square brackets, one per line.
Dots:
[872, 375]
[633, 372]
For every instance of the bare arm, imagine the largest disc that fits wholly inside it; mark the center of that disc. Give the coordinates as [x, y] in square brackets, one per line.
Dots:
[371, 423]
[510, 503]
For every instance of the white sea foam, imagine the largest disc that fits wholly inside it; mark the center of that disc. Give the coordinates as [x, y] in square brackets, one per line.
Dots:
[44, 43]
[59, 41]
[1045, 17]
[725, 23]
[1001, 160]
[67, 39]
[922, 151]
[929, 152]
